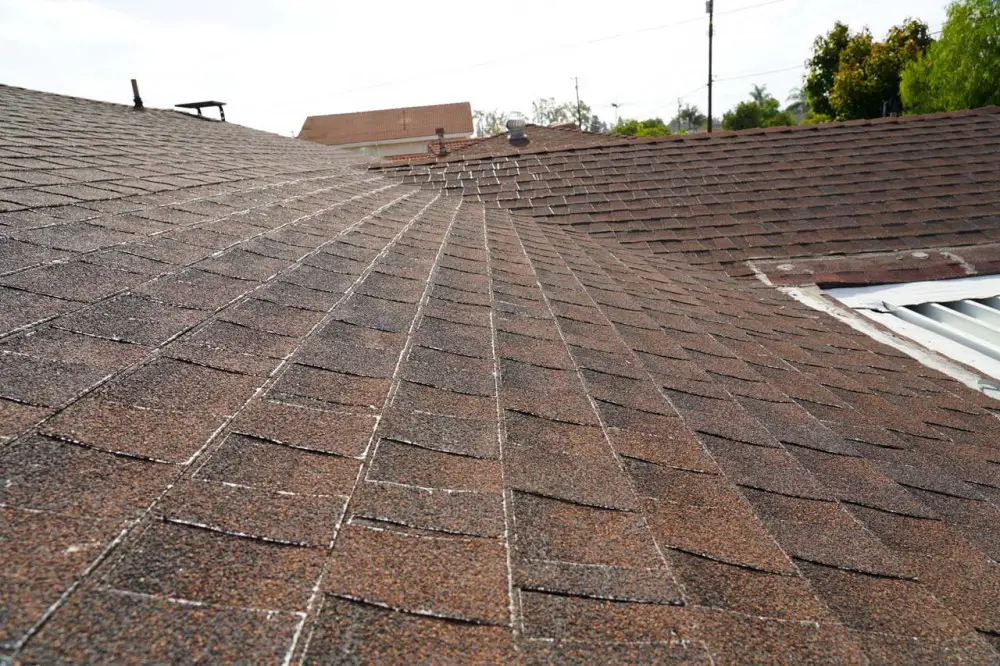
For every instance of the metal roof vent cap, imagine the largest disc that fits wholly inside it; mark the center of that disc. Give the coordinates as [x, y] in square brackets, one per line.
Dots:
[516, 129]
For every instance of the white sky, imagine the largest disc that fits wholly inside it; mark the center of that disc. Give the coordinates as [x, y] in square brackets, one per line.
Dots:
[277, 61]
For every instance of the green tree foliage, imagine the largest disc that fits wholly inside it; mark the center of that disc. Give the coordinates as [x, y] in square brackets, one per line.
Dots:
[649, 127]
[823, 66]
[867, 82]
[545, 111]
[962, 69]
[596, 125]
[798, 104]
[689, 118]
[762, 110]
[490, 123]
[851, 75]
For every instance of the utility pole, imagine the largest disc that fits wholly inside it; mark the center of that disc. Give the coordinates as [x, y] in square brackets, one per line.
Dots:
[579, 118]
[678, 115]
[710, 8]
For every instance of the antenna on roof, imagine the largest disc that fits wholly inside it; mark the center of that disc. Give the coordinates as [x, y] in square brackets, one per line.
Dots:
[136, 99]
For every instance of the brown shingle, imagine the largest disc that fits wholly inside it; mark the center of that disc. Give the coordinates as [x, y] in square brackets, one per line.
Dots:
[515, 440]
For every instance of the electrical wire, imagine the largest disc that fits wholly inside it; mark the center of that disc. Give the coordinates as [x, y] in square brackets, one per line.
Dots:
[536, 52]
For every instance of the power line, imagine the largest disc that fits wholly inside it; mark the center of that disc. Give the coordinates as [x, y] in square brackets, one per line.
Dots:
[535, 52]
[771, 71]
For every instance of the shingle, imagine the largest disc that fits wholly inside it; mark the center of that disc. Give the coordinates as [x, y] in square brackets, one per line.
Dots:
[298, 519]
[470, 437]
[182, 562]
[368, 633]
[338, 432]
[462, 579]
[257, 463]
[580, 619]
[106, 626]
[396, 462]
[48, 475]
[22, 308]
[193, 288]
[44, 554]
[549, 529]
[334, 387]
[73, 280]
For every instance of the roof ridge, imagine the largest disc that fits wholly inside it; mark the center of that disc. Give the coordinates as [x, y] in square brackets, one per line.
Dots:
[729, 134]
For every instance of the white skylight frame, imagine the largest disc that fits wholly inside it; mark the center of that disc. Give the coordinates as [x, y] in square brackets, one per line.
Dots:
[959, 318]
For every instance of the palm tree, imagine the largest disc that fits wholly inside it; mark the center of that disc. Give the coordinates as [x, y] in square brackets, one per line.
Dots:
[797, 102]
[758, 94]
[691, 116]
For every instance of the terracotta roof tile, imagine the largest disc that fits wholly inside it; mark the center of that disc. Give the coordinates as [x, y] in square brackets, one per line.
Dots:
[280, 408]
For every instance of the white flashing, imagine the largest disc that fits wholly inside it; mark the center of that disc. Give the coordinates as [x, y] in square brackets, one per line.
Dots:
[904, 342]
[914, 293]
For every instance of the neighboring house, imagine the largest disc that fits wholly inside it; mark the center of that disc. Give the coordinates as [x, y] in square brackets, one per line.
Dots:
[551, 403]
[389, 132]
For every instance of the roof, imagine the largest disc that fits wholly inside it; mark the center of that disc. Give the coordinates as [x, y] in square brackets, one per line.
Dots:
[537, 138]
[885, 185]
[388, 124]
[261, 404]
[433, 148]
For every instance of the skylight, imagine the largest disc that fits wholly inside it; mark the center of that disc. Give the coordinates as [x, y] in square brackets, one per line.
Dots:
[959, 318]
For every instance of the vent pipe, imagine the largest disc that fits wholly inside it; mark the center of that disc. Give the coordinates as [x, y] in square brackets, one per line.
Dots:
[136, 99]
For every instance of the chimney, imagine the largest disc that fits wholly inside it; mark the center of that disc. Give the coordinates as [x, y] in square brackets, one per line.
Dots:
[442, 149]
[136, 99]
[516, 129]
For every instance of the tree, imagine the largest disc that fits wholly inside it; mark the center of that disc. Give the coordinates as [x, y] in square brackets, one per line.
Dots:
[759, 94]
[867, 82]
[823, 66]
[649, 127]
[688, 118]
[490, 123]
[596, 125]
[763, 110]
[798, 104]
[962, 69]
[545, 111]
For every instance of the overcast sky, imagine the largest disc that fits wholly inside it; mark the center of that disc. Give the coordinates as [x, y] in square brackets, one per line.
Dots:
[277, 61]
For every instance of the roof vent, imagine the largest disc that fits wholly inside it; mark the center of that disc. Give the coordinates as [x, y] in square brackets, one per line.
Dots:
[136, 98]
[201, 105]
[515, 128]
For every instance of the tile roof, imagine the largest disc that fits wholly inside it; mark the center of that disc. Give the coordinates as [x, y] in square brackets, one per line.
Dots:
[866, 186]
[258, 403]
[387, 124]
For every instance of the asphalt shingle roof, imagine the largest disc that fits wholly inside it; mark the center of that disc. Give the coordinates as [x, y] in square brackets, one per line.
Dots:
[885, 185]
[260, 404]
